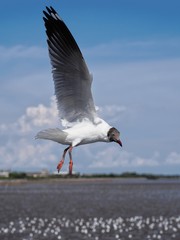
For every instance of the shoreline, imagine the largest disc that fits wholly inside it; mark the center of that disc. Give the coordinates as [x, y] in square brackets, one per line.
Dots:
[11, 182]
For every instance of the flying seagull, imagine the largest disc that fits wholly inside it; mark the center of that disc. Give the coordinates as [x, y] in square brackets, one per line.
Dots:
[72, 82]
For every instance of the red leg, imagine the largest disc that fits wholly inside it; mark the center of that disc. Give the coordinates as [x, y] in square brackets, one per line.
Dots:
[59, 166]
[71, 161]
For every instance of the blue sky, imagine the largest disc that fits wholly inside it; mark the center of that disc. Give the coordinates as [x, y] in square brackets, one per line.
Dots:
[133, 50]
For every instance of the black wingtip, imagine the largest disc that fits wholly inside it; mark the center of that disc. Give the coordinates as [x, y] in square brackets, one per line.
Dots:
[46, 15]
[52, 9]
[48, 9]
[51, 13]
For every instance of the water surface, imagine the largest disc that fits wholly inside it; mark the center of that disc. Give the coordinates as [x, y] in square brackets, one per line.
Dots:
[90, 209]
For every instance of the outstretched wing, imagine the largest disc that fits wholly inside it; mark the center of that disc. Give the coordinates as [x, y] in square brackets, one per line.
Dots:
[71, 76]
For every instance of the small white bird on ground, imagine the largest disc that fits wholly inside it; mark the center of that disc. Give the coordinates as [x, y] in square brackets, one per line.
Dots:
[72, 82]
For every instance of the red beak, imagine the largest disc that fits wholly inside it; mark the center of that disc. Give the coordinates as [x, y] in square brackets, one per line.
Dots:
[119, 142]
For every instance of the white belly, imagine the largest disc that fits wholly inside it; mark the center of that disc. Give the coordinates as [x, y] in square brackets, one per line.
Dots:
[87, 132]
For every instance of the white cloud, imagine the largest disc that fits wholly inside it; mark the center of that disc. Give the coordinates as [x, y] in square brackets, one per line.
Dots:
[19, 150]
[173, 159]
[125, 50]
[150, 162]
[24, 154]
[40, 116]
[20, 51]
[112, 112]
[113, 157]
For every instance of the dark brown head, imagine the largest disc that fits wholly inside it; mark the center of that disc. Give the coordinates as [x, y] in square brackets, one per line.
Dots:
[113, 136]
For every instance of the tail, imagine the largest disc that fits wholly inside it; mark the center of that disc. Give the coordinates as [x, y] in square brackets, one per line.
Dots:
[54, 134]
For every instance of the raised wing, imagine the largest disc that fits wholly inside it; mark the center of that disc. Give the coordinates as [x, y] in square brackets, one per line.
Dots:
[71, 76]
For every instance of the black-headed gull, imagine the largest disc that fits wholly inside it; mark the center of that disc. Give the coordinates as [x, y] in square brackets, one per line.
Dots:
[72, 82]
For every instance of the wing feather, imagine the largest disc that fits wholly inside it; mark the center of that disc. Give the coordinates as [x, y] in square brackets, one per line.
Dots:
[71, 76]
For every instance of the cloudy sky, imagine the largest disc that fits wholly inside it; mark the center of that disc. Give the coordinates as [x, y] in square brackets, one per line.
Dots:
[133, 50]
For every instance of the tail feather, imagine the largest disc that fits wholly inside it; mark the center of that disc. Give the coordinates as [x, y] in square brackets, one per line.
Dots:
[54, 134]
